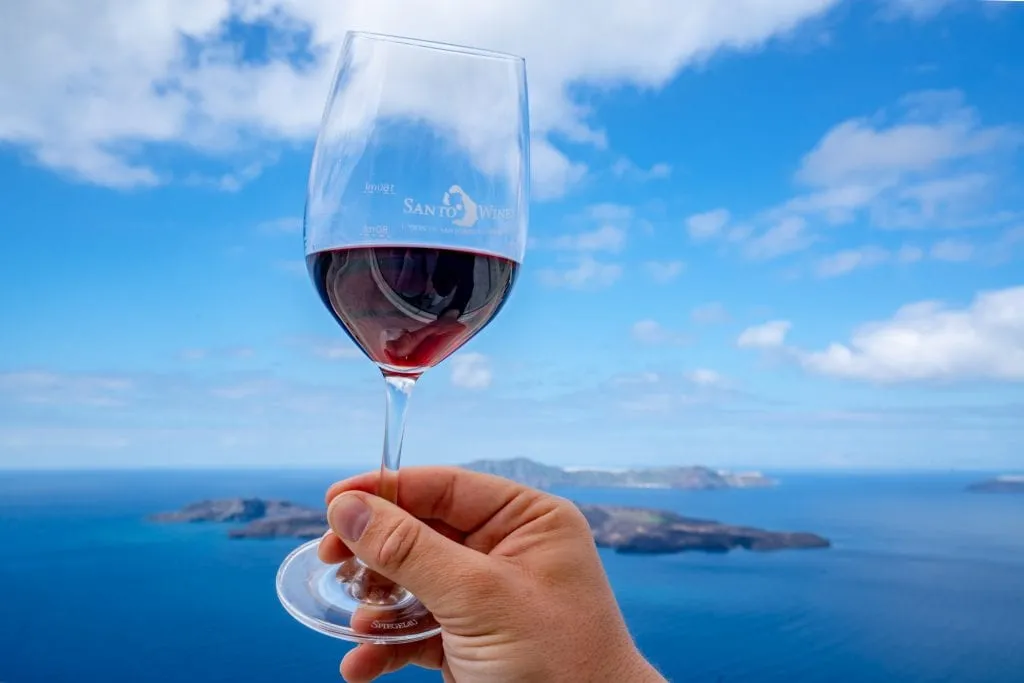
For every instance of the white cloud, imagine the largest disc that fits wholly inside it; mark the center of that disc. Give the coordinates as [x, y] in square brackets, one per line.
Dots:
[659, 170]
[711, 313]
[605, 238]
[588, 273]
[229, 353]
[652, 332]
[673, 392]
[833, 205]
[664, 272]
[648, 332]
[931, 341]
[1007, 245]
[604, 227]
[936, 128]
[56, 389]
[86, 86]
[929, 199]
[848, 260]
[707, 225]
[336, 351]
[655, 402]
[952, 250]
[704, 377]
[31, 440]
[552, 173]
[929, 162]
[242, 390]
[234, 180]
[608, 212]
[628, 170]
[227, 399]
[193, 354]
[471, 371]
[788, 236]
[738, 234]
[289, 225]
[1013, 236]
[908, 253]
[947, 251]
[770, 335]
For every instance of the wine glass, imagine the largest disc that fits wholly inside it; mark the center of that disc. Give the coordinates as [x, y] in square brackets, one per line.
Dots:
[415, 227]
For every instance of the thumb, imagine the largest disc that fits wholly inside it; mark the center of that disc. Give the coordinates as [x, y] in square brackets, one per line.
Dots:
[402, 548]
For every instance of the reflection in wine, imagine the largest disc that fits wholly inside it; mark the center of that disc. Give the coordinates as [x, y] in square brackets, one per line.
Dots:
[409, 308]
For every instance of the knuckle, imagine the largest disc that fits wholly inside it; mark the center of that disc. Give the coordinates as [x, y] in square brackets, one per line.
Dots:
[569, 516]
[445, 503]
[398, 542]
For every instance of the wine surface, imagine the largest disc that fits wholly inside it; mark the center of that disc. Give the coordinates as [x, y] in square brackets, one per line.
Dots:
[409, 308]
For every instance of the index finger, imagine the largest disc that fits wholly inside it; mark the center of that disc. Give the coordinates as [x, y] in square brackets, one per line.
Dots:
[463, 499]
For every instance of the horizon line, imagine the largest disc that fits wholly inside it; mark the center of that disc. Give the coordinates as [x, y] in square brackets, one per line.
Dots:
[762, 469]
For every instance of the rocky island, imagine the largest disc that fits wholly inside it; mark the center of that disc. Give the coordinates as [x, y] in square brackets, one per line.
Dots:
[643, 530]
[1006, 483]
[624, 529]
[261, 518]
[539, 475]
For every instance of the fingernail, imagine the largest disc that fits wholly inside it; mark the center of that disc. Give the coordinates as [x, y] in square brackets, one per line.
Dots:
[349, 517]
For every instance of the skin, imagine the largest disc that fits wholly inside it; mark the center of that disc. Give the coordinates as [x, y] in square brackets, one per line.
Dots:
[511, 574]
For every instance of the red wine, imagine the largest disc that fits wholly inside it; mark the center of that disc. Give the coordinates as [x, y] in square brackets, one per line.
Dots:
[409, 308]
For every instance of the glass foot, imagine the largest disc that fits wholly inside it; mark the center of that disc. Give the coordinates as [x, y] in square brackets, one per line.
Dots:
[349, 601]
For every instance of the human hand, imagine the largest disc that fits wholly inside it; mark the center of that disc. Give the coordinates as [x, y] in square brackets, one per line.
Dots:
[511, 574]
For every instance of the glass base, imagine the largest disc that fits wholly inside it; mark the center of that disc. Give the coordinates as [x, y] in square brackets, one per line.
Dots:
[349, 601]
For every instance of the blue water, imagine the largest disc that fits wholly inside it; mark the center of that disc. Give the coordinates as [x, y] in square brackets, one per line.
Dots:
[925, 583]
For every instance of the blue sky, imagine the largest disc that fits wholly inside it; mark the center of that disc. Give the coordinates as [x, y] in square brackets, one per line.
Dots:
[783, 235]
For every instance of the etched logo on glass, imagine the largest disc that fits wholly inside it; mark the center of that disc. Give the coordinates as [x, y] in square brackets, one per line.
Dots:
[457, 206]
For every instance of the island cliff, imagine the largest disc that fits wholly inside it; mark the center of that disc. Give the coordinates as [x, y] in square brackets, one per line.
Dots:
[624, 529]
[642, 530]
[539, 475]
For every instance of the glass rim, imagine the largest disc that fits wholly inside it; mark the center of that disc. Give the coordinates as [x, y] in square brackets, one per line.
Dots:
[436, 45]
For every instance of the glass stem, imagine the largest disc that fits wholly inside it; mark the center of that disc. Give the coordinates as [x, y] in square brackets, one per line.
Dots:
[399, 389]
[366, 585]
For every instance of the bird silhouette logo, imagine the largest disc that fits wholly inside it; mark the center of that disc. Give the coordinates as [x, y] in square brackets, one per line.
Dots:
[464, 203]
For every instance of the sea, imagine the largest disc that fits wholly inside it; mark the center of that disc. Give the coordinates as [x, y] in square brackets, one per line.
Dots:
[924, 583]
